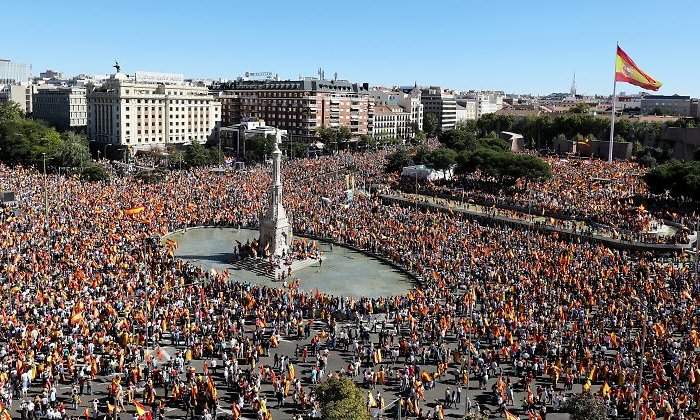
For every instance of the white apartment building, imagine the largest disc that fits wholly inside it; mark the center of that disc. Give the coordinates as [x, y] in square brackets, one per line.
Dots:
[391, 122]
[151, 110]
[466, 110]
[487, 102]
[410, 102]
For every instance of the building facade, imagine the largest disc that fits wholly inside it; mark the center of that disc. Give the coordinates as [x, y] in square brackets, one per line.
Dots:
[410, 102]
[63, 107]
[298, 106]
[14, 73]
[441, 104]
[392, 122]
[465, 110]
[20, 94]
[669, 105]
[234, 136]
[486, 102]
[151, 110]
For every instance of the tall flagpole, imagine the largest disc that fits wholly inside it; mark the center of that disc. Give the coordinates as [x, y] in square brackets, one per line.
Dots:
[612, 120]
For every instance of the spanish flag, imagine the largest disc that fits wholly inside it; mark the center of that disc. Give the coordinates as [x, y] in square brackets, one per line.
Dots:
[627, 71]
[76, 318]
[140, 409]
[4, 413]
[510, 416]
[134, 211]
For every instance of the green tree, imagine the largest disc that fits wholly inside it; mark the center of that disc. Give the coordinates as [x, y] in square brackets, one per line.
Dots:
[341, 399]
[344, 133]
[177, 158]
[679, 178]
[398, 160]
[421, 156]
[504, 165]
[73, 150]
[419, 137]
[10, 111]
[24, 141]
[442, 159]
[430, 124]
[586, 406]
[93, 173]
[458, 139]
[581, 108]
[197, 155]
[260, 147]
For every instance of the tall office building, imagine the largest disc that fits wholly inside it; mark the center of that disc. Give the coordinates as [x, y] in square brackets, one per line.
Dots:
[150, 110]
[298, 106]
[63, 107]
[440, 103]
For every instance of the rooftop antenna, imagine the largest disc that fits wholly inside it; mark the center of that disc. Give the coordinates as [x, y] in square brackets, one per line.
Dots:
[117, 66]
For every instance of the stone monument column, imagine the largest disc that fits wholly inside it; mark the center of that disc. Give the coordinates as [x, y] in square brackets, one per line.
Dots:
[275, 227]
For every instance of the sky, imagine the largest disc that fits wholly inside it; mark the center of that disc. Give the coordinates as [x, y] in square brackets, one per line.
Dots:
[511, 45]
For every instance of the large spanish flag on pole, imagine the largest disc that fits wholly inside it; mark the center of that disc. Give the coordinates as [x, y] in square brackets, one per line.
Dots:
[626, 70]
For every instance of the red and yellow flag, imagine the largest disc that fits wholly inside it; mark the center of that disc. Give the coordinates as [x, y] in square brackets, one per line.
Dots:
[627, 71]
[134, 210]
[140, 409]
[510, 416]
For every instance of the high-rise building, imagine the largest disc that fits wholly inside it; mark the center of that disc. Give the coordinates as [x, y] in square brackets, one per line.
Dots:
[14, 73]
[440, 103]
[298, 106]
[63, 107]
[150, 110]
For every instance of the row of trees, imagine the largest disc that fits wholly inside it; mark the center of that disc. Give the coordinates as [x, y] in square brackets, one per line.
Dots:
[678, 178]
[540, 130]
[492, 156]
[28, 142]
[25, 141]
[466, 153]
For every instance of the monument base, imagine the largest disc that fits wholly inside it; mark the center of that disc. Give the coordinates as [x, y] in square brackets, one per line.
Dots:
[263, 267]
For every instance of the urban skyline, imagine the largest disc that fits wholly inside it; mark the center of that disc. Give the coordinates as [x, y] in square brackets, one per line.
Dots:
[470, 45]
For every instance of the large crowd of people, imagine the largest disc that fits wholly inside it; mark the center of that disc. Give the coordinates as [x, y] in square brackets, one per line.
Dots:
[612, 196]
[92, 295]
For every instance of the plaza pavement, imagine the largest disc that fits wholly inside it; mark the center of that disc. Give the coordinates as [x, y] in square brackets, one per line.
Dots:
[337, 360]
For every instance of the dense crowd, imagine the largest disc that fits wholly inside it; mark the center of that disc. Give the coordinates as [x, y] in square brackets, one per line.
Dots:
[92, 292]
[603, 195]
